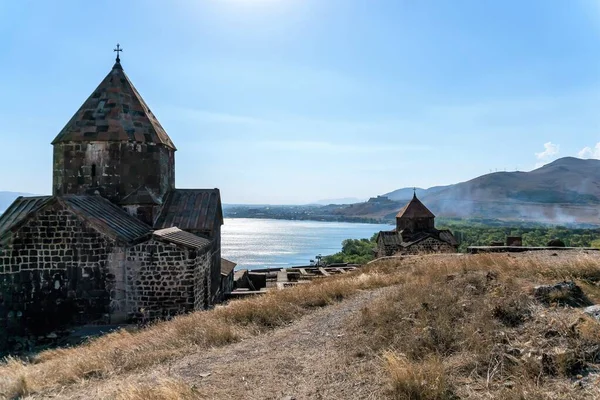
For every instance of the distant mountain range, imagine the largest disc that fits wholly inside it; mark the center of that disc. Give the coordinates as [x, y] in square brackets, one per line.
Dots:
[564, 191]
[343, 200]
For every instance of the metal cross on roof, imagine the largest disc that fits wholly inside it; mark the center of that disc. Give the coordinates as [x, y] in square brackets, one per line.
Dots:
[118, 50]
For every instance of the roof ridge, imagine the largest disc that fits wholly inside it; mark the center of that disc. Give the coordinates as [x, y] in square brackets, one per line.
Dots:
[151, 117]
[166, 230]
[191, 209]
[19, 212]
[155, 199]
[417, 208]
[194, 190]
[114, 111]
[181, 237]
[121, 224]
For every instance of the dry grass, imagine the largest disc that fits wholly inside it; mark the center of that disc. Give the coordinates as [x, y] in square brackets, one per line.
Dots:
[450, 326]
[469, 326]
[123, 351]
[422, 380]
[165, 389]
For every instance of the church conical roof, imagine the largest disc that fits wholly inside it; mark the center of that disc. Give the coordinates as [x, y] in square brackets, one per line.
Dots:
[115, 111]
[415, 209]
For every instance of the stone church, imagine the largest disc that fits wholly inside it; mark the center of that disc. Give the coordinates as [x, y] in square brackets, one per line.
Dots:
[116, 240]
[415, 233]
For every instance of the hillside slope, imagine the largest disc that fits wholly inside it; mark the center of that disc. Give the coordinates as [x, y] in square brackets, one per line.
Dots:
[564, 191]
[566, 180]
[422, 327]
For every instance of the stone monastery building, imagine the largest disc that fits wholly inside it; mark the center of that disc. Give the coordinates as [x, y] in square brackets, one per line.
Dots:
[116, 240]
[415, 233]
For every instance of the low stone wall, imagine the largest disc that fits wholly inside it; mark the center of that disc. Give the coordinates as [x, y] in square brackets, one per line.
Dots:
[520, 249]
[429, 245]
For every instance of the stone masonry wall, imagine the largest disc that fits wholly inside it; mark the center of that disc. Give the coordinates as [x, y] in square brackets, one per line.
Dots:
[165, 279]
[144, 212]
[215, 274]
[114, 169]
[430, 245]
[52, 273]
[215, 261]
[202, 281]
[383, 250]
[415, 224]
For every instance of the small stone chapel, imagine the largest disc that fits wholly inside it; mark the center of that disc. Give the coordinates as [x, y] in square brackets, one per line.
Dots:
[116, 240]
[415, 233]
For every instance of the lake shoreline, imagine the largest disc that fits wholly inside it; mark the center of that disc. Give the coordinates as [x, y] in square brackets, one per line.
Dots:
[357, 220]
[254, 243]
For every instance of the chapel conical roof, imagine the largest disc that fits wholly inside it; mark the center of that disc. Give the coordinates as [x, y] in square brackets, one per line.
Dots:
[415, 209]
[115, 111]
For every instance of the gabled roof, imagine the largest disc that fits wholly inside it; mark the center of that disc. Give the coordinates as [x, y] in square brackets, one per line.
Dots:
[389, 238]
[416, 238]
[115, 111]
[448, 237]
[142, 195]
[19, 210]
[191, 209]
[415, 209]
[227, 266]
[177, 236]
[106, 217]
[443, 235]
[95, 210]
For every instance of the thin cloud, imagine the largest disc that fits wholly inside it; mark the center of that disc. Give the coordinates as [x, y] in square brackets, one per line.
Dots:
[333, 147]
[589, 152]
[551, 150]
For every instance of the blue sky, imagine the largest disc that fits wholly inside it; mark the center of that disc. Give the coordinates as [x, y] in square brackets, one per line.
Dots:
[291, 101]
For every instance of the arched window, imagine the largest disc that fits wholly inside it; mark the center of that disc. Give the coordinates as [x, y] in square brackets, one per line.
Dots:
[93, 170]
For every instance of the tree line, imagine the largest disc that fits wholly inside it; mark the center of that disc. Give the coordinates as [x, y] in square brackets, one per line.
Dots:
[477, 233]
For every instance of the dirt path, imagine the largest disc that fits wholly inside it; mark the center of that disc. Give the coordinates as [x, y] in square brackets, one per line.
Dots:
[305, 360]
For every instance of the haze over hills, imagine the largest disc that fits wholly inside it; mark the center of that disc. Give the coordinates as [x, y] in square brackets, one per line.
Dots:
[343, 200]
[566, 180]
[564, 191]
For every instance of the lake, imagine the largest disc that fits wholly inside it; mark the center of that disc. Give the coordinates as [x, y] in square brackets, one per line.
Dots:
[257, 243]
